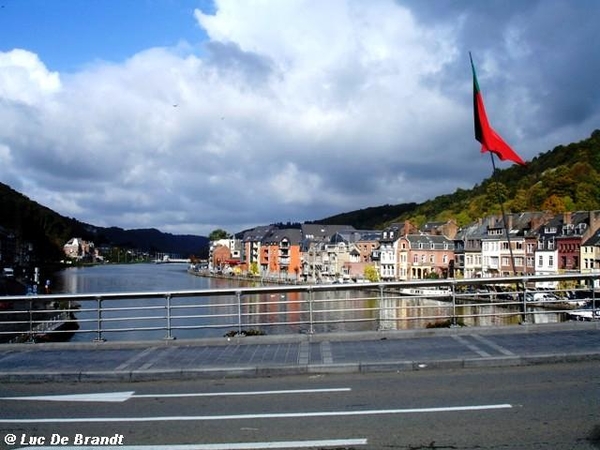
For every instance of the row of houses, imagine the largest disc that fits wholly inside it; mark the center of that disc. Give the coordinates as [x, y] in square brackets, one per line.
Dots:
[526, 243]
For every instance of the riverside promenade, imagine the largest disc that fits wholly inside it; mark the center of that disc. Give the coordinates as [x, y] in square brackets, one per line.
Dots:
[266, 356]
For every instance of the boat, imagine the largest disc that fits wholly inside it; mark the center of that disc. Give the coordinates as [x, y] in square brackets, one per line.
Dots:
[426, 292]
[587, 313]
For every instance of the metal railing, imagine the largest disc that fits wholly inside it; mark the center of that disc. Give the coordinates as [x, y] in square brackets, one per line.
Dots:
[298, 309]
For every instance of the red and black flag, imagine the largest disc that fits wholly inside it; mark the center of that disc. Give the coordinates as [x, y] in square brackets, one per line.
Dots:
[484, 133]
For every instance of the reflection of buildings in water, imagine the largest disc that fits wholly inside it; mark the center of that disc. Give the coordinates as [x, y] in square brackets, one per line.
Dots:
[389, 313]
[418, 312]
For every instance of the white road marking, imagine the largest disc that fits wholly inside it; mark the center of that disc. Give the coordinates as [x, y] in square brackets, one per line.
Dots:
[257, 416]
[99, 397]
[124, 396]
[472, 347]
[224, 446]
[225, 394]
[135, 358]
[495, 346]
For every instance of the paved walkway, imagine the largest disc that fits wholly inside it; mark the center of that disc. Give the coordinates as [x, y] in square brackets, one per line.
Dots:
[301, 354]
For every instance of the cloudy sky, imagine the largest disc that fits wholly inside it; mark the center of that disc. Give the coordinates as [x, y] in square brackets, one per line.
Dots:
[192, 115]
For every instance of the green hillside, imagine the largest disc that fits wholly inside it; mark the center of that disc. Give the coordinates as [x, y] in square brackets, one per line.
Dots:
[48, 231]
[566, 178]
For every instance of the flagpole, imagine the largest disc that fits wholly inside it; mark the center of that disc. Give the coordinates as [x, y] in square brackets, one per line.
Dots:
[506, 230]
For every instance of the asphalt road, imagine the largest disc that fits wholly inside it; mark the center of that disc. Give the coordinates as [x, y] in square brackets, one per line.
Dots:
[554, 406]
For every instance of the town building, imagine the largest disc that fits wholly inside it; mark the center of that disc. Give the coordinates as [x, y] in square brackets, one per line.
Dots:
[422, 256]
[81, 250]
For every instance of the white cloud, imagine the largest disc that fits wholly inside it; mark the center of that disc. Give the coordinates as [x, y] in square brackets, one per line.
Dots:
[294, 110]
[25, 79]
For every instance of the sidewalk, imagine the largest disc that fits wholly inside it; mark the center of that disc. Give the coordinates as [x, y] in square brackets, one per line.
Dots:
[454, 348]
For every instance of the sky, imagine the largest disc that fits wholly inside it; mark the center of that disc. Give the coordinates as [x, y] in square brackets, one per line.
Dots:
[193, 115]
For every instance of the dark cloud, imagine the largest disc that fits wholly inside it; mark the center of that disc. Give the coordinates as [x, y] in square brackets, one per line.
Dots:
[296, 111]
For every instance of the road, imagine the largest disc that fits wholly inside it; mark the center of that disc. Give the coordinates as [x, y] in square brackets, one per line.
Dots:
[553, 406]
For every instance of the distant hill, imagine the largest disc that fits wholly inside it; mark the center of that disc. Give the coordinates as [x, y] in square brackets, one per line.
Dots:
[566, 178]
[48, 231]
[155, 241]
[370, 218]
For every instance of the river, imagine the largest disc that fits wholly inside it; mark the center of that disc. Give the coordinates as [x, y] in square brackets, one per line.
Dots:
[132, 278]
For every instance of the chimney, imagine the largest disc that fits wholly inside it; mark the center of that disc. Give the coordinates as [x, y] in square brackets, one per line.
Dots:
[566, 218]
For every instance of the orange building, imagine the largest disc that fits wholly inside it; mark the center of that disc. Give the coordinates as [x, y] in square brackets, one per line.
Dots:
[280, 253]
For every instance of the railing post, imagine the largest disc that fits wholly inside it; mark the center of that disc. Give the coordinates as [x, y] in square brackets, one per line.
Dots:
[453, 290]
[169, 336]
[382, 310]
[525, 320]
[99, 337]
[31, 338]
[311, 328]
[593, 286]
[238, 295]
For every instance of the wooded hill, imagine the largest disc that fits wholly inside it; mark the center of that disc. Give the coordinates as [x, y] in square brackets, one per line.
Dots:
[48, 231]
[566, 178]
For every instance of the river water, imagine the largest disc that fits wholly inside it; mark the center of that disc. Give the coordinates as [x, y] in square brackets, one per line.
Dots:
[198, 317]
[132, 278]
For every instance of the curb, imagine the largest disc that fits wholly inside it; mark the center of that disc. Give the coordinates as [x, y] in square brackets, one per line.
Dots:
[283, 370]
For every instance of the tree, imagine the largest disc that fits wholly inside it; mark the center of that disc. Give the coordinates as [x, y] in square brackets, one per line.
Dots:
[254, 269]
[371, 274]
[218, 234]
[554, 204]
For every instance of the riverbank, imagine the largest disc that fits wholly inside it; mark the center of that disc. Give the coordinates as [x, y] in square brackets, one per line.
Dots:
[259, 281]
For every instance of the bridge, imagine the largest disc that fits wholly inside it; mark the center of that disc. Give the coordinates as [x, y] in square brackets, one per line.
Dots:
[319, 334]
[166, 259]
